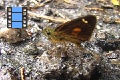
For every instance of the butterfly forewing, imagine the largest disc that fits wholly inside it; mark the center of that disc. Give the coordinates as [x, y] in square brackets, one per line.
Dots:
[80, 28]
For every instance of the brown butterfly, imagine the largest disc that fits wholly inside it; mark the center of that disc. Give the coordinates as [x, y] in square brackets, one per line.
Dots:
[75, 31]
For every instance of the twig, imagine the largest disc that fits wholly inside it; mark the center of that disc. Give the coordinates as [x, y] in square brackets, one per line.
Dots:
[22, 70]
[117, 21]
[100, 9]
[55, 19]
[115, 61]
[36, 6]
[70, 2]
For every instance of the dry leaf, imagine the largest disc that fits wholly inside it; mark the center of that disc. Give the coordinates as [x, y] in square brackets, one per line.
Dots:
[13, 35]
[116, 2]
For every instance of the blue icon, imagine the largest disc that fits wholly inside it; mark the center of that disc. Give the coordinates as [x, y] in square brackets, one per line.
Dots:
[16, 17]
[16, 9]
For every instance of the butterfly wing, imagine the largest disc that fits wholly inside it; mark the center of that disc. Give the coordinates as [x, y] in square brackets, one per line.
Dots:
[80, 28]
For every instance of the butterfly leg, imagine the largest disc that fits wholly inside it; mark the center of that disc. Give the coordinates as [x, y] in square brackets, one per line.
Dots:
[64, 54]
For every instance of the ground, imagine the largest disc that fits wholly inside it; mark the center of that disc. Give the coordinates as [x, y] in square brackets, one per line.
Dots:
[27, 54]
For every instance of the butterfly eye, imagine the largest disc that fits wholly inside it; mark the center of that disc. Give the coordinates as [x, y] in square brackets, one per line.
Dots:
[48, 33]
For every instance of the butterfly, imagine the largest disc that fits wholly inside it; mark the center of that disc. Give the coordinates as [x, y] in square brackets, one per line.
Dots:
[75, 31]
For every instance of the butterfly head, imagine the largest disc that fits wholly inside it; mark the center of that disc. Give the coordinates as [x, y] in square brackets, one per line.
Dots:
[48, 31]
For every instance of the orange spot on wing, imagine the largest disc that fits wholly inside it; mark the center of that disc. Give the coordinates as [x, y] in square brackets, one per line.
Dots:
[76, 31]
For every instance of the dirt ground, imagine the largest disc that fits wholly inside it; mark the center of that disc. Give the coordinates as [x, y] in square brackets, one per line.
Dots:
[27, 54]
